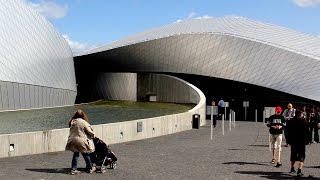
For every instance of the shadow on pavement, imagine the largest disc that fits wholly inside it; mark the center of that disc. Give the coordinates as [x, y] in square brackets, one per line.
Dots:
[244, 163]
[311, 167]
[59, 170]
[259, 145]
[276, 175]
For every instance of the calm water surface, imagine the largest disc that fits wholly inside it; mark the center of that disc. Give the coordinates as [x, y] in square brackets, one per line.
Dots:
[101, 112]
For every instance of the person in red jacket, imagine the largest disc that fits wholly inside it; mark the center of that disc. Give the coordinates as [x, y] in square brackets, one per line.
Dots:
[276, 124]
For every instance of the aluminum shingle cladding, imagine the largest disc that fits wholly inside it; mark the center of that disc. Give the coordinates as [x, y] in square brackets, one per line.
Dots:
[233, 26]
[31, 50]
[230, 48]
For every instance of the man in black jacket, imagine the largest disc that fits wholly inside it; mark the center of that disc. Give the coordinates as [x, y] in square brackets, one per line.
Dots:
[297, 136]
[276, 123]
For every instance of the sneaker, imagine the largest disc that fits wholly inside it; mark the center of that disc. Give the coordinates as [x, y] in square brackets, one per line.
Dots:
[93, 169]
[292, 171]
[300, 174]
[73, 172]
[101, 169]
[278, 165]
[272, 161]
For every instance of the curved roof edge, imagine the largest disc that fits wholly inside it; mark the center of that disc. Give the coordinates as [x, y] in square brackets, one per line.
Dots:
[265, 33]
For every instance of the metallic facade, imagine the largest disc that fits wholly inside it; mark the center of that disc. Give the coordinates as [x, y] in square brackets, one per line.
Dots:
[36, 63]
[37, 68]
[230, 48]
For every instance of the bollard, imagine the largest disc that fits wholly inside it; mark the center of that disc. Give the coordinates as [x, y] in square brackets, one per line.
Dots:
[264, 117]
[222, 124]
[256, 115]
[229, 121]
[234, 119]
[211, 122]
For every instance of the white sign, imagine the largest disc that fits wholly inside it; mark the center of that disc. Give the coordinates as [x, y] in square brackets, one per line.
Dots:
[214, 110]
[153, 98]
[245, 103]
[269, 111]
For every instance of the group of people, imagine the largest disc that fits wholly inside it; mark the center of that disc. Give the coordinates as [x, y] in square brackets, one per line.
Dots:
[297, 126]
[219, 112]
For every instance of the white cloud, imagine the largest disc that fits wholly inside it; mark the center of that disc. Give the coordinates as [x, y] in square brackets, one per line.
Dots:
[307, 3]
[204, 17]
[193, 15]
[76, 46]
[49, 9]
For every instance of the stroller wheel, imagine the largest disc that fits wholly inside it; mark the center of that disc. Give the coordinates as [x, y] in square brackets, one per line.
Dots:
[113, 165]
[101, 169]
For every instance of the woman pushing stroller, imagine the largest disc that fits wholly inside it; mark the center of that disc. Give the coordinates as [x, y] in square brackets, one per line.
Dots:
[80, 141]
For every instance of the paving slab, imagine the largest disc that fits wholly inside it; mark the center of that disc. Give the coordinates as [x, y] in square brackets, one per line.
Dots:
[242, 153]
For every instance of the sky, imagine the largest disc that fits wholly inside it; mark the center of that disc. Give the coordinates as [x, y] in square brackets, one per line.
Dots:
[87, 24]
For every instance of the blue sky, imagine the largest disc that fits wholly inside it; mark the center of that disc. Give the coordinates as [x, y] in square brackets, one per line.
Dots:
[90, 23]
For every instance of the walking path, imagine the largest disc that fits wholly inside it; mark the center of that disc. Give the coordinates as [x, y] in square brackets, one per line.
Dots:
[242, 153]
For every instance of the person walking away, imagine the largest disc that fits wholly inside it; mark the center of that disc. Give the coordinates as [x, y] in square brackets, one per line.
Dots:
[80, 141]
[221, 107]
[214, 115]
[297, 136]
[276, 124]
[288, 114]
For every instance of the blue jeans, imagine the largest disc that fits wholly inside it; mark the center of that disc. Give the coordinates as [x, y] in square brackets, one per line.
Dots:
[75, 158]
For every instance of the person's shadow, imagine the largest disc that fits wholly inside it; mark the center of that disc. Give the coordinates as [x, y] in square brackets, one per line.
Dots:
[57, 170]
[277, 175]
[271, 175]
[244, 163]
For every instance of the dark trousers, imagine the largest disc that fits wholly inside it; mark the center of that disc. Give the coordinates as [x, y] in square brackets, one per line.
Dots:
[315, 130]
[214, 120]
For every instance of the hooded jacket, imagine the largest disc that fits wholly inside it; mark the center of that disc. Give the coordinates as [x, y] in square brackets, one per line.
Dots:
[80, 137]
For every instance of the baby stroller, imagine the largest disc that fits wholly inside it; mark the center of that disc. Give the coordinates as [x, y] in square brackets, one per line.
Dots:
[102, 156]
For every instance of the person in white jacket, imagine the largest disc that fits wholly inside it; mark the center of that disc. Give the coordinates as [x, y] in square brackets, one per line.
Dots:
[288, 114]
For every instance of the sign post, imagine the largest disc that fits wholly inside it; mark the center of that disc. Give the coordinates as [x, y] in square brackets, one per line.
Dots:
[226, 104]
[245, 105]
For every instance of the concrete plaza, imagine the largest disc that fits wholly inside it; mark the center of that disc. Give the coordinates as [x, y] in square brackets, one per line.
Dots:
[241, 153]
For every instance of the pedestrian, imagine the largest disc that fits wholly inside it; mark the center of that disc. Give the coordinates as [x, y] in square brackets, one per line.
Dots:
[313, 125]
[276, 124]
[214, 114]
[288, 114]
[297, 136]
[80, 141]
[221, 105]
[304, 112]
